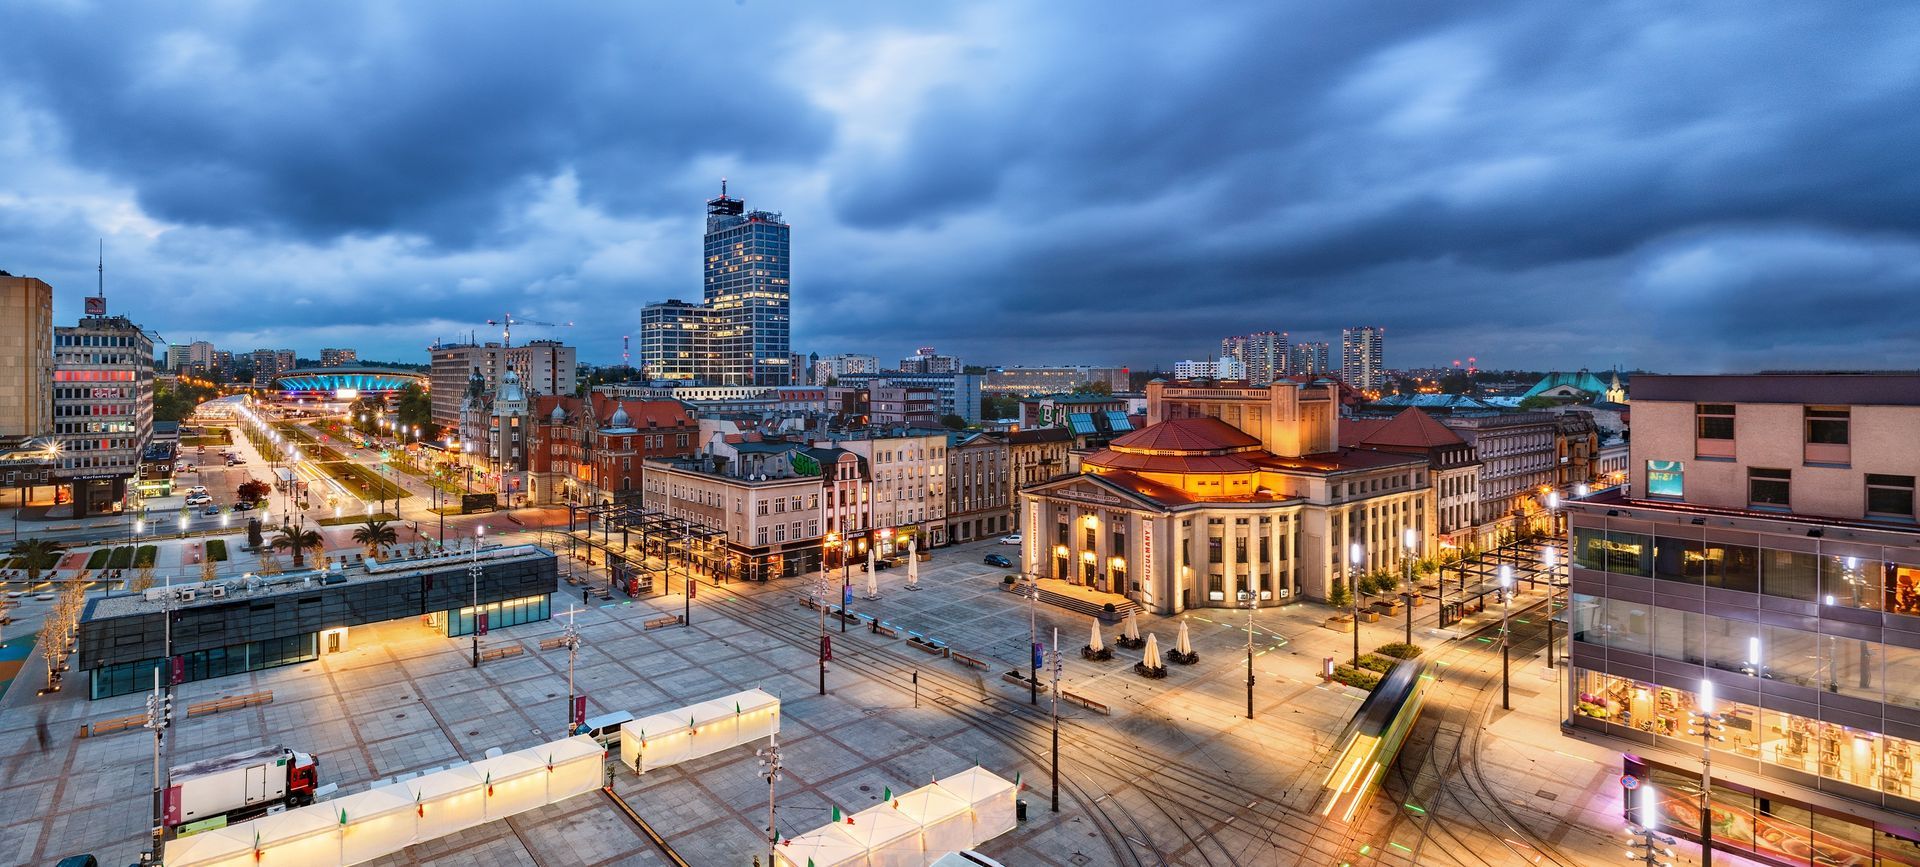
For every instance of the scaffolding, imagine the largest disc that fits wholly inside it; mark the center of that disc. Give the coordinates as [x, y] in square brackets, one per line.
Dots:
[638, 549]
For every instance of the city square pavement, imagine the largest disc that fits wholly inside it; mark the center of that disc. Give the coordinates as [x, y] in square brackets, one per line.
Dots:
[1172, 773]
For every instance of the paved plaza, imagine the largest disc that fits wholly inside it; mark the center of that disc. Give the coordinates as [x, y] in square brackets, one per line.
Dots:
[1172, 774]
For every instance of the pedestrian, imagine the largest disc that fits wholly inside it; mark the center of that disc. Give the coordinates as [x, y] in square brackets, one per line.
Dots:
[40, 731]
[583, 596]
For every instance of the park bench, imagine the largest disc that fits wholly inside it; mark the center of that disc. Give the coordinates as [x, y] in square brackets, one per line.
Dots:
[232, 702]
[662, 620]
[117, 724]
[966, 660]
[501, 652]
[1089, 704]
[931, 645]
[554, 643]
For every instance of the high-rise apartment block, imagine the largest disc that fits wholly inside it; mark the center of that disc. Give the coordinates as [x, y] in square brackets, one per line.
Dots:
[1222, 368]
[452, 366]
[1361, 356]
[1053, 380]
[1765, 545]
[544, 367]
[26, 357]
[739, 334]
[928, 361]
[1262, 355]
[102, 408]
[338, 357]
[269, 365]
[1309, 358]
[839, 366]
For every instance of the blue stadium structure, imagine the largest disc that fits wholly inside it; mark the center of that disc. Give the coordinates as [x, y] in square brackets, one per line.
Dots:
[348, 382]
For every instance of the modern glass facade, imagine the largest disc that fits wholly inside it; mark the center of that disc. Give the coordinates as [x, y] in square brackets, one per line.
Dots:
[512, 612]
[747, 277]
[128, 677]
[1770, 829]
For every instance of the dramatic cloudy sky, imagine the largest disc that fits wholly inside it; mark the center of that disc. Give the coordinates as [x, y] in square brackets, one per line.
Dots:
[1658, 185]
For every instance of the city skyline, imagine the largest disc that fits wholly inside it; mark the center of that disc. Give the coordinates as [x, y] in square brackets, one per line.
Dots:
[1425, 172]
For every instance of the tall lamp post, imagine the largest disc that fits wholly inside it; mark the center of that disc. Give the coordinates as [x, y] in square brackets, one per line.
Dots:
[1033, 641]
[1253, 604]
[1645, 844]
[571, 639]
[1506, 654]
[473, 571]
[1055, 664]
[825, 588]
[770, 770]
[1548, 561]
[1409, 538]
[1356, 555]
[1707, 725]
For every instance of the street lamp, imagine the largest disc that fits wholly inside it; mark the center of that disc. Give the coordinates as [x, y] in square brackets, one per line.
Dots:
[1548, 560]
[1356, 555]
[1253, 604]
[825, 650]
[1055, 663]
[1506, 608]
[1408, 540]
[571, 640]
[1033, 640]
[1645, 845]
[1707, 725]
[770, 771]
[473, 571]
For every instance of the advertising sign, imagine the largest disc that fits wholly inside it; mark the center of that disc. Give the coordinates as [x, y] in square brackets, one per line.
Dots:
[476, 503]
[1665, 479]
[579, 710]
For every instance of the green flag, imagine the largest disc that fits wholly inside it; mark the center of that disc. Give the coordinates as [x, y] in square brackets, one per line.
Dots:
[886, 793]
[836, 814]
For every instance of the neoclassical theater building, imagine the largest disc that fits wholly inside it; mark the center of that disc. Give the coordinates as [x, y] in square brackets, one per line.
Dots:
[1228, 489]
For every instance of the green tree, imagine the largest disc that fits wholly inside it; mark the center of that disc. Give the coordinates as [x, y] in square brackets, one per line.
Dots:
[253, 490]
[37, 554]
[376, 536]
[999, 406]
[1338, 596]
[953, 422]
[1093, 388]
[415, 409]
[298, 541]
[1538, 401]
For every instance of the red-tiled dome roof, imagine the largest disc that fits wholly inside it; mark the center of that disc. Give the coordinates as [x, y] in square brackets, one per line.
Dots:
[1205, 434]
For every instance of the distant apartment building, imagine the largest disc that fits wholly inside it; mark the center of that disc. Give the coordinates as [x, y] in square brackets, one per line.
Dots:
[955, 393]
[1362, 357]
[176, 357]
[1220, 368]
[269, 365]
[452, 367]
[899, 406]
[1766, 543]
[771, 500]
[544, 366]
[834, 367]
[339, 357]
[26, 358]
[1262, 356]
[907, 472]
[928, 361]
[102, 409]
[674, 338]
[1309, 359]
[223, 368]
[1051, 380]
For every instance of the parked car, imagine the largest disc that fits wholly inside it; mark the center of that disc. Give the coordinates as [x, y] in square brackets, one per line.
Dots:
[1013, 539]
[210, 511]
[885, 562]
[997, 560]
[243, 506]
[199, 500]
[197, 489]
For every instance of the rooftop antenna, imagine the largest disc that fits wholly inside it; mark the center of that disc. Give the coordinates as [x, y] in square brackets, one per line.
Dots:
[101, 269]
[723, 188]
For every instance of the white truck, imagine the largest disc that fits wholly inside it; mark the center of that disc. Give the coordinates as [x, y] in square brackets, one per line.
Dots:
[240, 785]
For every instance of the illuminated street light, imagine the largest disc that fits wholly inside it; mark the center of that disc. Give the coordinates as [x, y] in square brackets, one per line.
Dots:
[1506, 646]
[1356, 556]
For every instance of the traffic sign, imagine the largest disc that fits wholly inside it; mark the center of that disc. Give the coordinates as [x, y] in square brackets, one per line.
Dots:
[1629, 782]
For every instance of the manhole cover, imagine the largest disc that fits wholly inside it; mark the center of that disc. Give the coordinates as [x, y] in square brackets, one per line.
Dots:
[1077, 858]
[399, 716]
[553, 695]
[866, 788]
[473, 734]
[1548, 795]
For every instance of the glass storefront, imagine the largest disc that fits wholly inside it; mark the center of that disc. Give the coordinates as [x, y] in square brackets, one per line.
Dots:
[1767, 828]
[1835, 752]
[130, 677]
[500, 615]
[1846, 581]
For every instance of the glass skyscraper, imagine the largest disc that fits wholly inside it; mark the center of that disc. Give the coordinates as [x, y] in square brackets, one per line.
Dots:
[739, 335]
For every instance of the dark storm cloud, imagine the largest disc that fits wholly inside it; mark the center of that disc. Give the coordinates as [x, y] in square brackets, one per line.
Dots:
[1535, 184]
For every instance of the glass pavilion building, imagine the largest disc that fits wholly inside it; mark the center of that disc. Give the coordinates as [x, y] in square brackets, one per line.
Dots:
[1767, 544]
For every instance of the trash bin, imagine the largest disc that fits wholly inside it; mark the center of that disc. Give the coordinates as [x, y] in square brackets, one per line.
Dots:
[1020, 810]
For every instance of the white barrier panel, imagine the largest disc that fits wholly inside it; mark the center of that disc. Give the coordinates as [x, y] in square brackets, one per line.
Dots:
[759, 714]
[387, 819]
[297, 838]
[657, 741]
[946, 821]
[231, 846]
[576, 766]
[826, 847]
[891, 840]
[716, 726]
[451, 800]
[374, 823]
[989, 798]
[514, 784]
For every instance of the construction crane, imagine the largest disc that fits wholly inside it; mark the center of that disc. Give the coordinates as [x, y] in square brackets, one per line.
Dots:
[508, 320]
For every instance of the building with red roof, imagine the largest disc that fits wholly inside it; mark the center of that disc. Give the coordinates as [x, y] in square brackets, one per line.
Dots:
[1451, 460]
[593, 450]
[1229, 491]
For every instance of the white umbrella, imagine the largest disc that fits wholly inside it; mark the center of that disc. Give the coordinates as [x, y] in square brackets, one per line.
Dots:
[1130, 630]
[1094, 642]
[873, 584]
[1152, 657]
[870, 552]
[1181, 645]
[913, 563]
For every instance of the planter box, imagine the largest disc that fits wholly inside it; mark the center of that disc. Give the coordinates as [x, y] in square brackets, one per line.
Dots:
[1370, 616]
[1340, 624]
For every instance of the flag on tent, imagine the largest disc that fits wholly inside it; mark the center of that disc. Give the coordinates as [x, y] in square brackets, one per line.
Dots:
[343, 817]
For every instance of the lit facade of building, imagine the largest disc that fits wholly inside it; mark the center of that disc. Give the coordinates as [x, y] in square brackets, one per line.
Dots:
[978, 502]
[1766, 542]
[907, 482]
[1262, 356]
[26, 358]
[1227, 491]
[593, 450]
[1053, 380]
[453, 367]
[1519, 462]
[1455, 468]
[740, 333]
[1309, 359]
[1219, 368]
[339, 357]
[773, 501]
[102, 408]
[674, 340]
[1362, 357]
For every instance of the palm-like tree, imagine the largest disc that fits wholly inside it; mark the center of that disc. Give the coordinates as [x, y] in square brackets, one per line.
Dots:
[38, 554]
[299, 540]
[376, 536]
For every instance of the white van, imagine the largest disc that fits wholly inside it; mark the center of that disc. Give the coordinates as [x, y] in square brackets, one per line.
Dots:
[605, 728]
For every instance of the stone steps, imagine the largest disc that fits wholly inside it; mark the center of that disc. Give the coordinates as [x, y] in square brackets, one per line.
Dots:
[1121, 608]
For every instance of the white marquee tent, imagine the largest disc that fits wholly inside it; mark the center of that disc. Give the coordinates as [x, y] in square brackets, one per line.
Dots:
[825, 847]
[914, 829]
[989, 799]
[699, 730]
[946, 821]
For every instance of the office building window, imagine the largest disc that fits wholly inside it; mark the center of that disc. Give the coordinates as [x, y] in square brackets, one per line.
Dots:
[1890, 496]
[1769, 489]
[1827, 425]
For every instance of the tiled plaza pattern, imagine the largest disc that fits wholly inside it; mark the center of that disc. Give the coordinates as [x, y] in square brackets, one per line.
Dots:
[1176, 775]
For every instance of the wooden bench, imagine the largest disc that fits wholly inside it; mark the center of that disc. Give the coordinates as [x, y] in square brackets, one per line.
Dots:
[966, 660]
[1089, 704]
[117, 724]
[501, 652]
[662, 620]
[233, 702]
[554, 643]
[931, 645]
[811, 603]
[886, 629]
